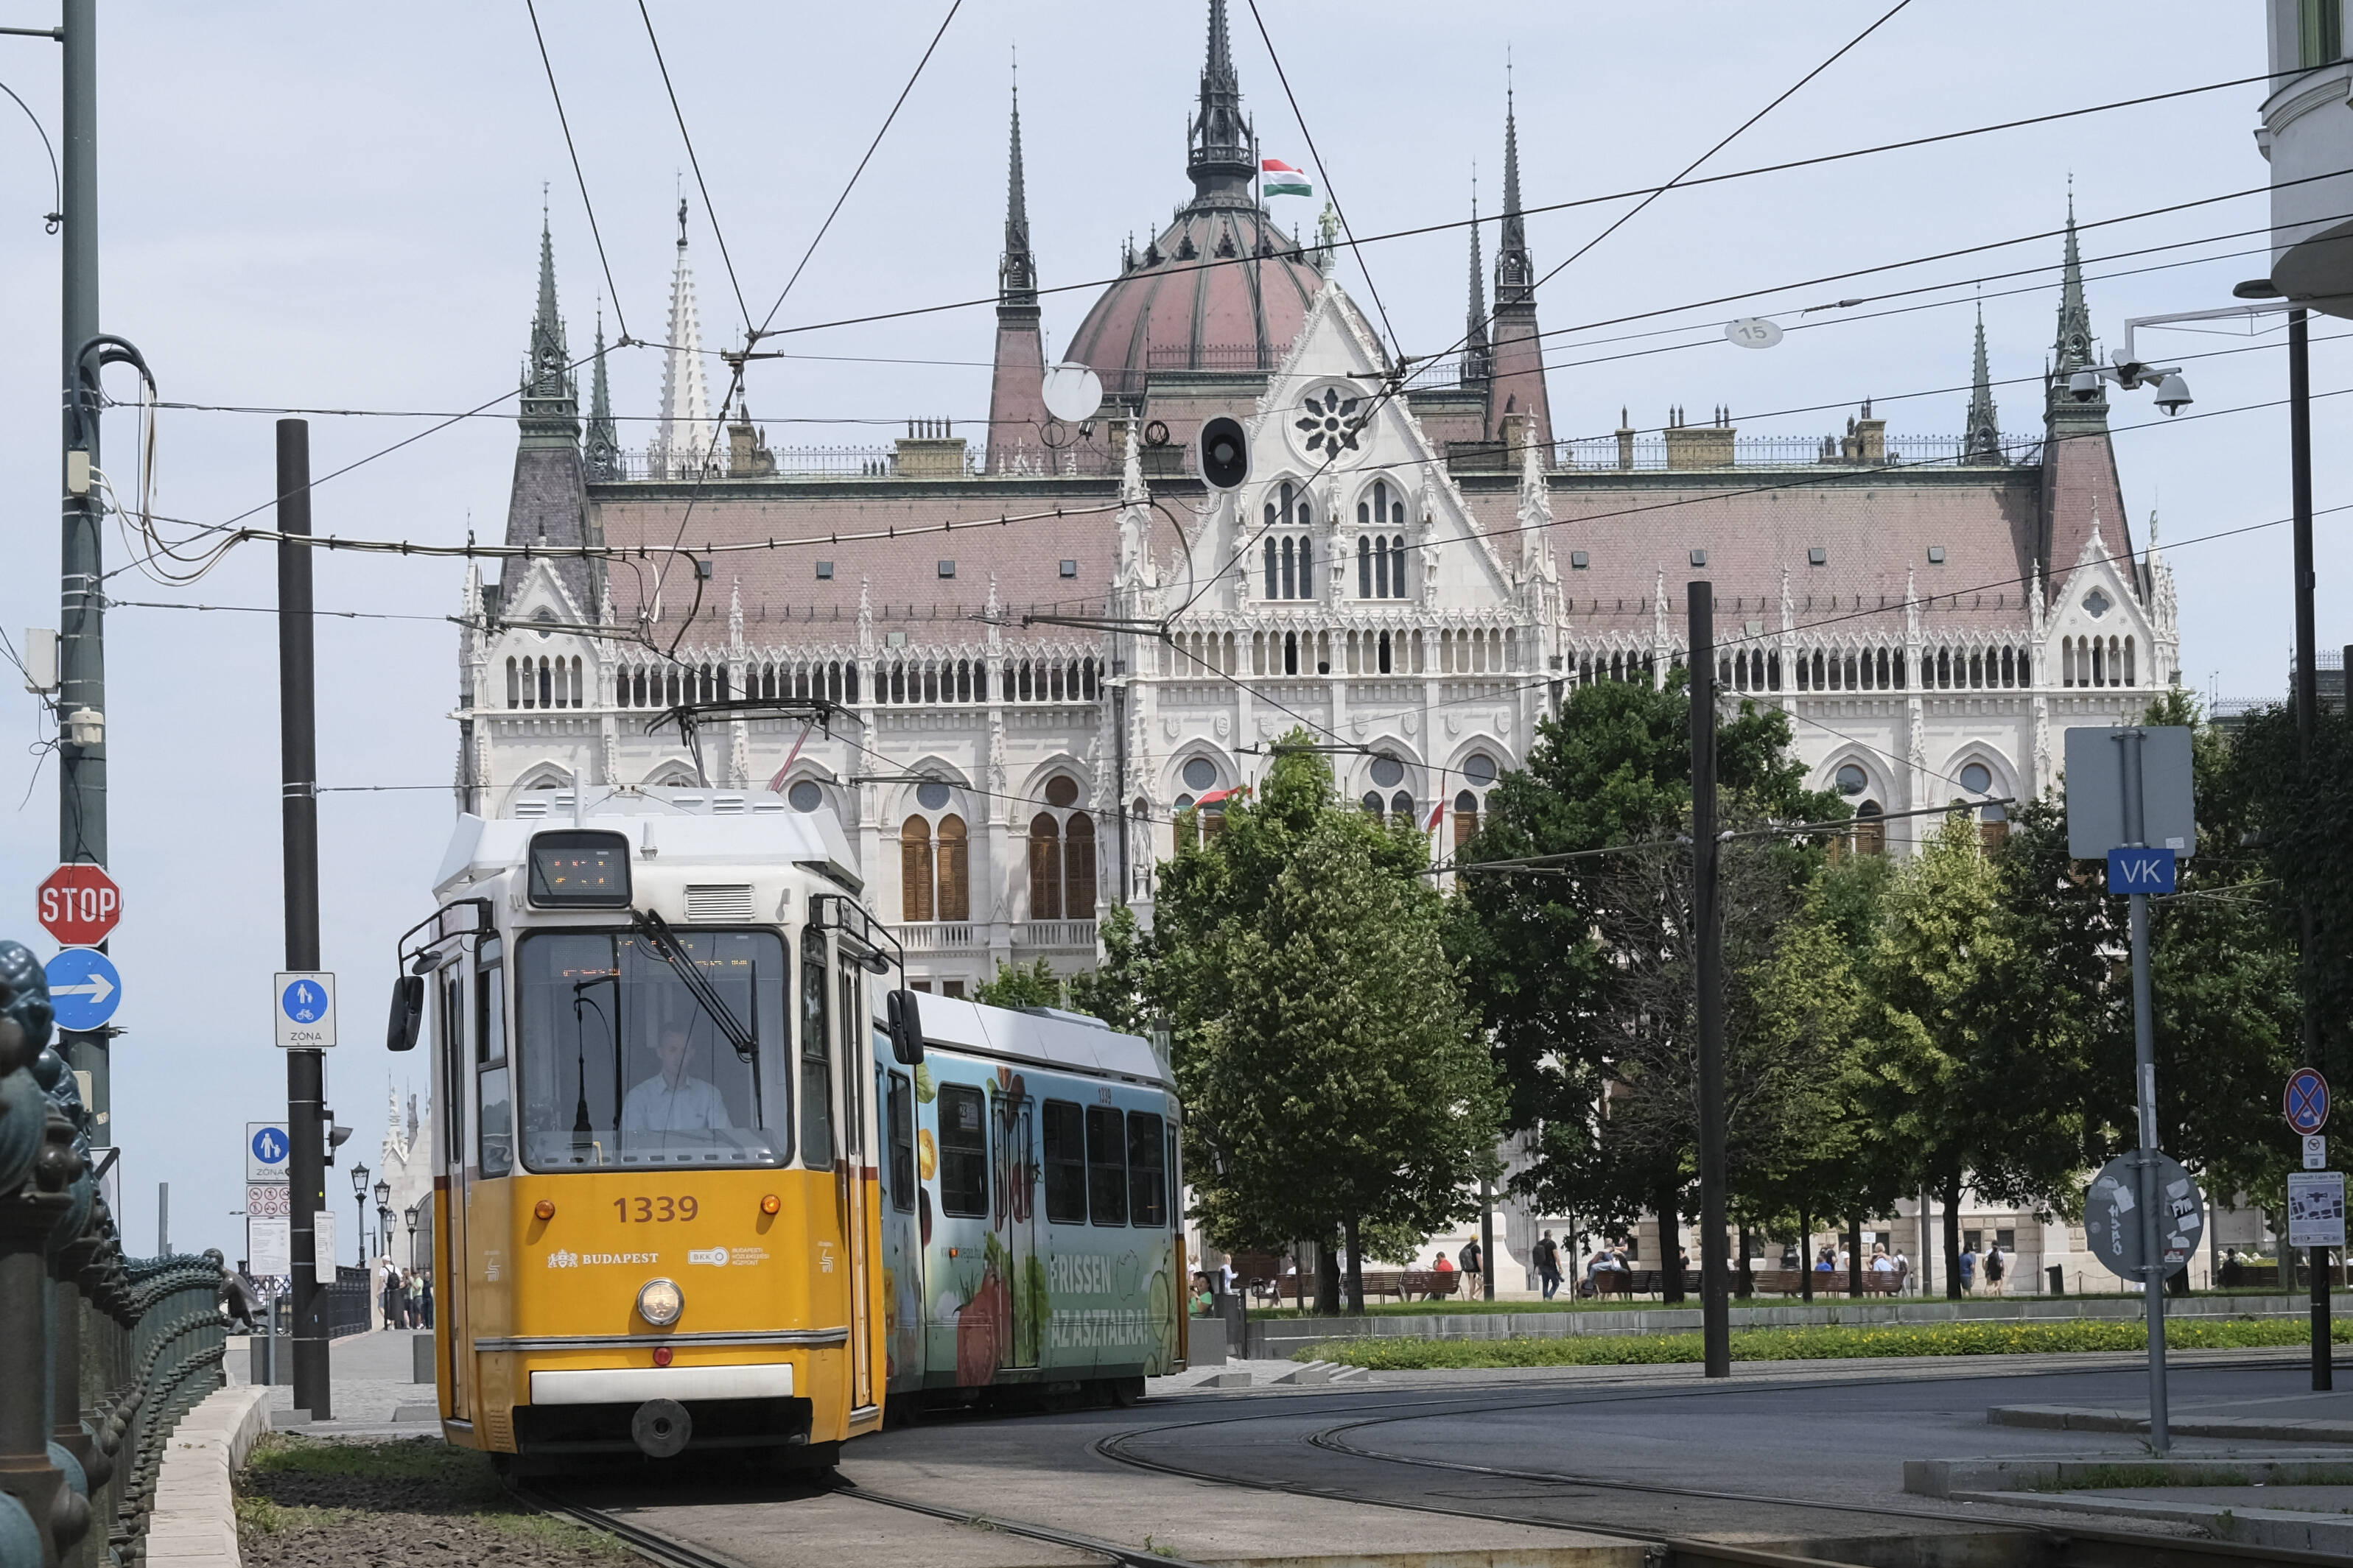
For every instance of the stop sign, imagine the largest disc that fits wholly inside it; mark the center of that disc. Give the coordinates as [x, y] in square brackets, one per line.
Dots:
[79, 905]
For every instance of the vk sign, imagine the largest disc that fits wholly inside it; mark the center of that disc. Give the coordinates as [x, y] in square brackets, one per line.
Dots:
[2140, 870]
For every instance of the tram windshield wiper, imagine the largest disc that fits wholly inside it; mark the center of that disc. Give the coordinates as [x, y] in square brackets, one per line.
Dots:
[666, 947]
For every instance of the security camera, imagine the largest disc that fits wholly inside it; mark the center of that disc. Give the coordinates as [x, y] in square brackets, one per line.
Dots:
[2172, 393]
[2083, 385]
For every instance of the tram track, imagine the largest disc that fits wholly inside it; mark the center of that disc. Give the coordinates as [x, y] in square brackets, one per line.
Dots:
[2036, 1546]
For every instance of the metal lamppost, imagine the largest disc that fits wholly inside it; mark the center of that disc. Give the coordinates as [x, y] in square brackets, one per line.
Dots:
[412, 1235]
[384, 1216]
[359, 1201]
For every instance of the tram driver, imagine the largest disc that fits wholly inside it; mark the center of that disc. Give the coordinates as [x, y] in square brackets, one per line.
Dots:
[673, 1099]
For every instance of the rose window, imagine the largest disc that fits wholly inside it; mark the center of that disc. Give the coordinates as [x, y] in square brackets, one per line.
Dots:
[1330, 422]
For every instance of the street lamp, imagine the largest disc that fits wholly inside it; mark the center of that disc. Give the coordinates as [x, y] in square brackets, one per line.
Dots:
[359, 1199]
[412, 1231]
[384, 1217]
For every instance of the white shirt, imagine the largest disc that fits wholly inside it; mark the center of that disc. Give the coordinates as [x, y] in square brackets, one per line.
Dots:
[654, 1107]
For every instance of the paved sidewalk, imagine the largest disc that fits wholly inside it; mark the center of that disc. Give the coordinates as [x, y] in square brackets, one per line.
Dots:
[369, 1384]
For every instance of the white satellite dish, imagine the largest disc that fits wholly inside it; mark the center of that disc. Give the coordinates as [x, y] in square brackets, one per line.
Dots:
[1073, 392]
[1754, 332]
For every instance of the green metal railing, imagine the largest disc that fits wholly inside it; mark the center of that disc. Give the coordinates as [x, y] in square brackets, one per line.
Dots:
[100, 1355]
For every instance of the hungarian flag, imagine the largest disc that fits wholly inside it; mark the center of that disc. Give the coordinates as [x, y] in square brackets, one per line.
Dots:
[1283, 180]
[1437, 810]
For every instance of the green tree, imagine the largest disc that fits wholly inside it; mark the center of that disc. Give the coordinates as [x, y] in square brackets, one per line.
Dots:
[1334, 1078]
[1555, 958]
[1036, 986]
[1119, 990]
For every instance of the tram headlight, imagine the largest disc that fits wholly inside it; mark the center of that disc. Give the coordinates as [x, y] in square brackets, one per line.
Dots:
[661, 1302]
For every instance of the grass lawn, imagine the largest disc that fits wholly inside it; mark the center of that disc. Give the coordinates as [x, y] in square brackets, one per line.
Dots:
[300, 1500]
[1818, 1343]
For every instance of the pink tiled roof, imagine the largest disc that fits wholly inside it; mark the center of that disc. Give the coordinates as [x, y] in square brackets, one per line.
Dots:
[1207, 312]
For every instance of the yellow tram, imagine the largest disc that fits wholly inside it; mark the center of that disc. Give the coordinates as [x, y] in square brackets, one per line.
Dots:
[656, 1216]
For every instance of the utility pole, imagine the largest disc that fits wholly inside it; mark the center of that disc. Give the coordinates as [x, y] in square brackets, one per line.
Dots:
[2308, 721]
[306, 1127]
[1715, 1310]
[81, 647]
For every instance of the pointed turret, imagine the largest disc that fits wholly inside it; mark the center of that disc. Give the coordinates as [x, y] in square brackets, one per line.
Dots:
[1219, 155]
[2073, 348]
[1017, 395]
[1981, 432]
[551, 398]
[549, 504]
[1519, 409]
[604, 450]
[683, 440]
[1477, 362]
[2080, 485]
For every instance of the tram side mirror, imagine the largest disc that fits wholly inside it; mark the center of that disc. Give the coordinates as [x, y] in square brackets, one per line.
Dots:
[408, 1013]
[905, 1021]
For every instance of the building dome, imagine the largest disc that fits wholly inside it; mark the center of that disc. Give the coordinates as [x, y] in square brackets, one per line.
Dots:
[1222, 289]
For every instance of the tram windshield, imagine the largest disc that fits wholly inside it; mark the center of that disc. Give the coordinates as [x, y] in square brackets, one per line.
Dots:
[622, 1064]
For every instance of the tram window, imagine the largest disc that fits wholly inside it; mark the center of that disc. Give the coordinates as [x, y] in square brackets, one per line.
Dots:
[1106, 1166]
[453, 1067]
[1147, 1185]
[497, 1123]
[620, 1064]
[490, 1008]
[902, 1143]
[1065, 1136]
[963, 1151]
[495, 1120]
[815, 1082]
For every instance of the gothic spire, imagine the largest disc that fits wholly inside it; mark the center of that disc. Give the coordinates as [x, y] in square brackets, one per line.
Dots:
[1475, 361]
[1514, 270]
[1017, 269]
[551, 399]
[1219, 153]
[1981, 438]
[683, 440]
[2074, 344]
[603, 453]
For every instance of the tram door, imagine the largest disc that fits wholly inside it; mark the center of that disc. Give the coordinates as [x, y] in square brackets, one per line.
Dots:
[456, 1076]
[1015, 1183]
[853, 1039]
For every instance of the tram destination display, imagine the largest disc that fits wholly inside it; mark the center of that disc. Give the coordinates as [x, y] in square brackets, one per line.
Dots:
[580, 869]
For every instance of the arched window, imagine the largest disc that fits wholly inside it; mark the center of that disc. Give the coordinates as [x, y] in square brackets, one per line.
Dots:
[1850, 780]
[1290, 581]
[1365, 566]
[1273, 581]
[544, 699]
[954, 902]
[1079, 867]
[1372, 804]
[1385, 653]
[1045, 867]
[1870, 832]
[1466, 819]
[1381, 572]
[915, 871]
[2129, 663]
[514, 686]
[1401, 807]
[1290, 653]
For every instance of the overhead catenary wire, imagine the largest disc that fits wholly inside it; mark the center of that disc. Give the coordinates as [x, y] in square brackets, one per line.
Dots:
[1331, 193]
[695, 163]
[1448, 226]
[563, 120]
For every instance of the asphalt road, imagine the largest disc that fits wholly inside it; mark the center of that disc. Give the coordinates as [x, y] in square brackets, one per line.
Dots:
[1800, 1455]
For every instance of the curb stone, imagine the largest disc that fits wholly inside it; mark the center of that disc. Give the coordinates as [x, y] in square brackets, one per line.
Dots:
[195, 1521]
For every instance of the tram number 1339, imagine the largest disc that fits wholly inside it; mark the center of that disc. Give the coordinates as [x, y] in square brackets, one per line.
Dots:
[655, 1211]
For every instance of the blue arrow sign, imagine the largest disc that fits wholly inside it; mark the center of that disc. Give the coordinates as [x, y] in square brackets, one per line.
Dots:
[2141, 871]
[84, 987]
[270, 1146]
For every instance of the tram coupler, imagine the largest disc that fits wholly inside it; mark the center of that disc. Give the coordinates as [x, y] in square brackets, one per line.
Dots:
[660, 1428]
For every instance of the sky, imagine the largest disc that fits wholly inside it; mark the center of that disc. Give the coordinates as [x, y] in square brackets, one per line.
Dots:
[339, 207]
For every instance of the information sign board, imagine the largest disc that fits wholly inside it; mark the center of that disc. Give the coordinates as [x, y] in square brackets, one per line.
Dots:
[2316, 1208]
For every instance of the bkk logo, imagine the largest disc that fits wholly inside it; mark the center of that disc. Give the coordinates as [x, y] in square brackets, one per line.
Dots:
[721, 1257]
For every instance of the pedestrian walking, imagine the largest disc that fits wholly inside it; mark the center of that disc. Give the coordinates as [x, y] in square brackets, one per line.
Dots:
[1474, 1263]
[1968, 1270]
[1548, 1265]
[426, 1292]
[1997, 1268]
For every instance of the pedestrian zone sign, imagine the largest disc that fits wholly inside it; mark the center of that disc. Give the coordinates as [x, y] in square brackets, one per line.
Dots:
[268, 1151]
[306, 1010]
